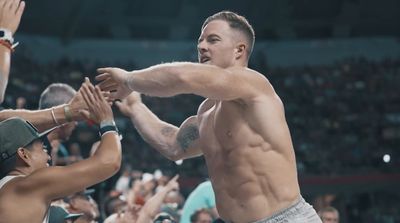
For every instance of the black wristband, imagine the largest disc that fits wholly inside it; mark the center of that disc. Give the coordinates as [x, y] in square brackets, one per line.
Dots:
[108, 128]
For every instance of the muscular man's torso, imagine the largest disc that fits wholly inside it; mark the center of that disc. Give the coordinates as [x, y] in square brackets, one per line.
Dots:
[250, 158]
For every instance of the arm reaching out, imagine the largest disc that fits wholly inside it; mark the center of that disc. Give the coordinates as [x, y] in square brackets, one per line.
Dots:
[56, 182]
[169, 79]
[172, 142]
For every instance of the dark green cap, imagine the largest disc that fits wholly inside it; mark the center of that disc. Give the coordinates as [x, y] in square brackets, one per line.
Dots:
[15, 133]
[59, 215]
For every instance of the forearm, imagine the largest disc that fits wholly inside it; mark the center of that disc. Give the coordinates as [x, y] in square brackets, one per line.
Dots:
[5, 57]
[153, 205]
[41, 119]
[160, 135]
[108, 154]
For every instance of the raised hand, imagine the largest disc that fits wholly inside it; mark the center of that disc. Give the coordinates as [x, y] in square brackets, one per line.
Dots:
[10, 14]
[98, 108]
[173, 183]
[114, 80]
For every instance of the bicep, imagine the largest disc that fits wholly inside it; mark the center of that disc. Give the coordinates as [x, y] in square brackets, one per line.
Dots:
[224, 84]
[187, 139]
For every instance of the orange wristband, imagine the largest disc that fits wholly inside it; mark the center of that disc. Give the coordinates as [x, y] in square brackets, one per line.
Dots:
[7, 44]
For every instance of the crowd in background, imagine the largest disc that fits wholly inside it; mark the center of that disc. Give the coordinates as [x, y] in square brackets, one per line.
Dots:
[343, 118]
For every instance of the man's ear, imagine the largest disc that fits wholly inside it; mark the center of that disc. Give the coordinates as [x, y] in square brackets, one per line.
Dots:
[24, 155]
[240, 50]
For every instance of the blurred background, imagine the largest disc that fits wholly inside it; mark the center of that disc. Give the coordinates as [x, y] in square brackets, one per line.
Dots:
[334, 63]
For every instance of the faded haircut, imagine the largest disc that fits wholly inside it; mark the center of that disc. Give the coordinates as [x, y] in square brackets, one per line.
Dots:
[236, 22]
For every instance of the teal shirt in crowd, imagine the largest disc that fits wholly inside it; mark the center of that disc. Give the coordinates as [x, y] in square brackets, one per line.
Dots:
[201, 197]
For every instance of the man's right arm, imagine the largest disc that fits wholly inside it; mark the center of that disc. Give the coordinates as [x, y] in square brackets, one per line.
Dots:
[172, 142]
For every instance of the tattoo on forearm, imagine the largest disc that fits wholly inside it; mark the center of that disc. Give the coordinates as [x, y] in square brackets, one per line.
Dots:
[167, 131]
[187, 135]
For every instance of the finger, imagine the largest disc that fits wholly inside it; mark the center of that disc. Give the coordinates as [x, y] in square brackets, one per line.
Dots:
[8, 4]
[14, 5]
[176, 177]
[87, 94]
[105, 82]
[110, 88]
[104, 69]
[108, 84]
[99, 95]
[106, 94]
[20, 9]
[102, 76]
[89, 84]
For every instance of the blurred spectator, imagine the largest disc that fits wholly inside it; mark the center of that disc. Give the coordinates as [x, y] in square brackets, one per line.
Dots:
[329, 215]
[201, 216]
[201, 197]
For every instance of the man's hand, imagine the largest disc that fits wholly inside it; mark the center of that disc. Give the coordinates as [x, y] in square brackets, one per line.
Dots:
[99, 108]
[173, 184]
[76, 105]
[127, 104]
[114, 80]
[10, 14]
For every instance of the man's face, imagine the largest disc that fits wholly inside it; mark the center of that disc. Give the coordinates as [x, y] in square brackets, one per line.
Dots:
[39, 156]
[216, 44]
[329, 217]
[204, 218]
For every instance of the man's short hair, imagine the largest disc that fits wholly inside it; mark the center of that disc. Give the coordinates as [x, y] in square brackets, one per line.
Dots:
[236, 22]
[56, 94]
[195, 216]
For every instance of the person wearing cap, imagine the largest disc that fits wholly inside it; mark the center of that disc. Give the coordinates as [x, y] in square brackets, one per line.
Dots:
[82, 202]
[10, 16]
[28, 184]
[60, 215]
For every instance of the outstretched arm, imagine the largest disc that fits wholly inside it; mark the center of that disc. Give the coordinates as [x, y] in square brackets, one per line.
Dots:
[172, 142]
[10, 16]
[48, 118]
[170, 79]
[55, 182]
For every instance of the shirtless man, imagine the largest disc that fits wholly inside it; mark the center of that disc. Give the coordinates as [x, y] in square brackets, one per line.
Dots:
[240, 128]
[28, 184]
